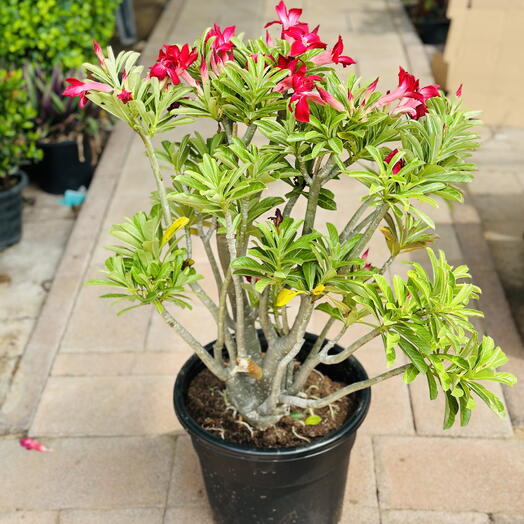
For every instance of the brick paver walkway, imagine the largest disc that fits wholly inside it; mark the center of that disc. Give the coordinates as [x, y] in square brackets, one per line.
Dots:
[119, 455]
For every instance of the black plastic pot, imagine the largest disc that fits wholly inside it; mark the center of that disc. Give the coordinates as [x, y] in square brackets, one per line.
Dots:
[61, 167]
[11, 213]
[432, 31]
[302, 485]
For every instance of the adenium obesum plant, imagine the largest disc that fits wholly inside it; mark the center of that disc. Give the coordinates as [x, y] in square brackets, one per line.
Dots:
[310, 128]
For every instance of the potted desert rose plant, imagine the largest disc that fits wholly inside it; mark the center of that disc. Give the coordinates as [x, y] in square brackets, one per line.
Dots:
[272, 409]
[17, 147]
[70, 135]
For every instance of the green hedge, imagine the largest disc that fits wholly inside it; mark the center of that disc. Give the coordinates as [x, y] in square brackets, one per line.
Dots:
[17, 135]
[46, 32]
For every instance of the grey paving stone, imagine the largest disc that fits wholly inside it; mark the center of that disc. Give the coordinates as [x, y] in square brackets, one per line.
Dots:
[187, 484]
[199, 514]
[430, 474]
[86, 473]
[361, 487]
[429, 415]
[104, 406]
[433, 517]
[353, 513]
[28, 517]
[94, 326]
[507, 519]
[113, 516]
[117, 364]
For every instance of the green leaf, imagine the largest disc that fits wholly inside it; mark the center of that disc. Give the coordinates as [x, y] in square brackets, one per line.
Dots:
[313, 420]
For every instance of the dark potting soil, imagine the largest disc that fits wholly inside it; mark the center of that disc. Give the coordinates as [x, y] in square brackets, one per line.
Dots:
[205, 403]
[7, 182]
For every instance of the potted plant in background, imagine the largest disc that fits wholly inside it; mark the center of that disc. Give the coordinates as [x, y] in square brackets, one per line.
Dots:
[17, 147]
[70, 137]
[429, 19]
[273, 410]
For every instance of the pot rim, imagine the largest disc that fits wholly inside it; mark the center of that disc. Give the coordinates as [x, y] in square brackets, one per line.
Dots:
[60, 143]
[24, 179]
[320, 445]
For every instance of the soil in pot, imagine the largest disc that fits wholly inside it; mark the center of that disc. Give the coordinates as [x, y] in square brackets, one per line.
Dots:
[11, 209]
[206, 404]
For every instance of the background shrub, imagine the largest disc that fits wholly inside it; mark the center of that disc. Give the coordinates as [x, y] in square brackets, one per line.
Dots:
[17, 135]
[46, 32]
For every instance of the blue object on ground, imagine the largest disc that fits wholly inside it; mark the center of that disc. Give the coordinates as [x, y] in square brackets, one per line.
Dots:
[73, 197]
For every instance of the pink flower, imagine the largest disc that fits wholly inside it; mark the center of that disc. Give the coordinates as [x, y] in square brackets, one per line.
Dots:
[81, 89]
[398, 165]
[204, 72]
[367, 265]
[303, 40]
[330, 99]
[31, 444]
[173, 62]
[222, 46]
[287, 18]
[125, 96]
[98, 52]
[334, 56]
[412, 97]
[459, 91]
[303, 92]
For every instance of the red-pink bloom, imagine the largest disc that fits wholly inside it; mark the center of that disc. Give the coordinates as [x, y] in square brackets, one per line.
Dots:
[412, 97]
[303, 40]
[98, 52]
[398, 165]
[125, 96]
[459, 91]
[204, 72]
[222, 47]
[287, 18]
[173, 62]
[32, 444]
[269, 41]
[364, 256]
[81, 89]
[334, 55]
[330, 99]
[303, 92]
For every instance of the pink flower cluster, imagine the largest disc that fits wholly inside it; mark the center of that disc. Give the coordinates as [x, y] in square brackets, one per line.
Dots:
[174, 61]
[412, 98]
[303, 86]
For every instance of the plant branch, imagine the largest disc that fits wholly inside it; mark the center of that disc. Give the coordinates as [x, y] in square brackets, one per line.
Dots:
[162, 195]
[263, 315]
[276, 386]
[381, 213]
[248, 136]
[352, 388]
[349, 230]
[239, 296]
[312, 359]
[343, 355]
[215, 367]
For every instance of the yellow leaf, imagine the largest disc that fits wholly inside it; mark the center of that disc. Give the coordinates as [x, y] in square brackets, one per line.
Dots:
[319, 290]
[285, 296]
[173, 228]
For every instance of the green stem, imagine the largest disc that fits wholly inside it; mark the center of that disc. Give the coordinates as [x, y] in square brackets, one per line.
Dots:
[162, 195]
[369, 231]
[349, 229]
[248, 136]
